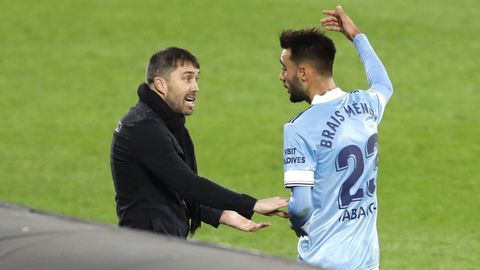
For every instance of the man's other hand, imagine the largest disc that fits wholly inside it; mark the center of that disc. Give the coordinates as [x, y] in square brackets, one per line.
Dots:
[237, 221]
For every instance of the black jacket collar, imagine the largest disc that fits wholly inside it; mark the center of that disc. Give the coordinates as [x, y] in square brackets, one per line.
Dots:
[172, 119]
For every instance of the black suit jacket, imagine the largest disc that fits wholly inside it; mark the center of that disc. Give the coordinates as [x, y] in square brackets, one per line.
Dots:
[156, 184]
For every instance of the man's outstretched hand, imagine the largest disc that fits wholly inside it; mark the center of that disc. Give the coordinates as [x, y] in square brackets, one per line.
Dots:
[337, 20]
[237, 221]
[271, 206]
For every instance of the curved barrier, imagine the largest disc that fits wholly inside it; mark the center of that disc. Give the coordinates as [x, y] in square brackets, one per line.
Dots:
[31, 239]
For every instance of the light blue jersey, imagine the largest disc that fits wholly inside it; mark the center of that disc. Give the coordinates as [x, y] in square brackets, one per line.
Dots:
[330, 162]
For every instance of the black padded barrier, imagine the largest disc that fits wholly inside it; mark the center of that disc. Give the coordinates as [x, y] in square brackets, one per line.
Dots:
[36, 240]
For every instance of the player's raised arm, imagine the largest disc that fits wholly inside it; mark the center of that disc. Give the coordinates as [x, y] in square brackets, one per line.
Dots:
[378, 80]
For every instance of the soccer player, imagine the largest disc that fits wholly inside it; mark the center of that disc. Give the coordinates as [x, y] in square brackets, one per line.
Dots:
[330, 149]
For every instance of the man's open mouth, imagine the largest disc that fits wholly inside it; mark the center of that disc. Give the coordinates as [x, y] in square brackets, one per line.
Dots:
[190, 100]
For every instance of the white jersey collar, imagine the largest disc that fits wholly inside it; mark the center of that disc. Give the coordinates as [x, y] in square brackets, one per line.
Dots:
[328, 96]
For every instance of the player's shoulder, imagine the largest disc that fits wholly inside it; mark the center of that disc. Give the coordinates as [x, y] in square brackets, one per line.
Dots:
[359, 95]
[370, 93]
[297, 118]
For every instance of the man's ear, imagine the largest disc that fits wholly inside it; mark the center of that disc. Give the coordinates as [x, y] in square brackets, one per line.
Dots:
[160, 85]
[304, 72]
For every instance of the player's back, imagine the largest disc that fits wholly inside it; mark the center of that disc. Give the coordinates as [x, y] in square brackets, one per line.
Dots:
[342, 135]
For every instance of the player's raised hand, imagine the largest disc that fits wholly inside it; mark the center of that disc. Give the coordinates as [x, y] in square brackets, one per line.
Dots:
[337, 20]
[271, 206]
[237, 221]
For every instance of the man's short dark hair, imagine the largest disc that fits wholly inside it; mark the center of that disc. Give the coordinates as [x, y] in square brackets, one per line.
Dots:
[162, 63]
[310, 45]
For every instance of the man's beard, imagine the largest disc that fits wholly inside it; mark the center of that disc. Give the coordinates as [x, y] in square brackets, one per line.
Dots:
[297, 94]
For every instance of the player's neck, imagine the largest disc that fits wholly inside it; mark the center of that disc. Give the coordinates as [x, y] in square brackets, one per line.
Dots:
[320, 86]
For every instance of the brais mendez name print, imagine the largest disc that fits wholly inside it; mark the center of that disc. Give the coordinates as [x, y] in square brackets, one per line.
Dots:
[337, 118]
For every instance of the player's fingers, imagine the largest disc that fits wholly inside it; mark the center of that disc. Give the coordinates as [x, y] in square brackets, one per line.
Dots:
[329, 19]
[331, 24]
[329, 12]
[333, 28]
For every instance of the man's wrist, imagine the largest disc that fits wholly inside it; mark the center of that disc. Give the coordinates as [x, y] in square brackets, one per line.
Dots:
[225, 217]
[354, 34]
[359, 38]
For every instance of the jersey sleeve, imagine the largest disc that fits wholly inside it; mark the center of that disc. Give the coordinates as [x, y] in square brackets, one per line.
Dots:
[300, 206]
[298, 159]
[380, 86]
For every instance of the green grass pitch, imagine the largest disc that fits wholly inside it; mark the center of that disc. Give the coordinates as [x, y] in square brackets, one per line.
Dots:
[69, 71]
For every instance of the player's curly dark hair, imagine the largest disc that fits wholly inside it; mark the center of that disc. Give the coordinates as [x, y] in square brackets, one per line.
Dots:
[163, 62]
[310, 45]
